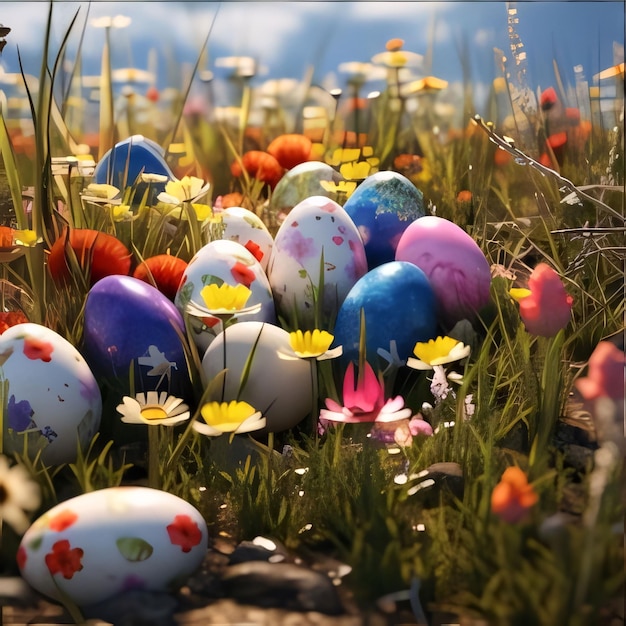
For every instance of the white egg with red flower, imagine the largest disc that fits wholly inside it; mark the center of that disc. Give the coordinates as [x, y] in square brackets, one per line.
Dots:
[100, 544]
[52, 397]
[263, 371]
[317, 258]
[222, 262]
[246, 228]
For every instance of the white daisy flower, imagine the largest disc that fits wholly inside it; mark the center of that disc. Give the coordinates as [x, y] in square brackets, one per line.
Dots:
[153, 408]
[19, 494]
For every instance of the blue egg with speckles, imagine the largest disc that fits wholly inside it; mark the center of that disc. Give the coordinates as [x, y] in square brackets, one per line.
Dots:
[382, 207]
[398, 304]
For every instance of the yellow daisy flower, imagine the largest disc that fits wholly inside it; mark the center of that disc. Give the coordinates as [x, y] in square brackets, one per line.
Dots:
[437, 351]
[313, 345]
[153, 408]
[228, 417]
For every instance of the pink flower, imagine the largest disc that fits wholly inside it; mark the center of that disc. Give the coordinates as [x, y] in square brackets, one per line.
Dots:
[548, 307]
[605, 374]
[364, 402]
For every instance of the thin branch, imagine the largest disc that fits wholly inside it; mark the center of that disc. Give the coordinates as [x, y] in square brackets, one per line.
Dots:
[523, 159]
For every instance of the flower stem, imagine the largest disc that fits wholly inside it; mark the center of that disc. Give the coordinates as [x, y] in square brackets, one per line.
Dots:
[153, 457]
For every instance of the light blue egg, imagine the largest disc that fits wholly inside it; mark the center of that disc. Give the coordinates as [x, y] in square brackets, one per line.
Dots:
[398, 305]
[382, 207]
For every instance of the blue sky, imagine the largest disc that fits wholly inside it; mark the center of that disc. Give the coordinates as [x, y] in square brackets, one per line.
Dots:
[287, 37]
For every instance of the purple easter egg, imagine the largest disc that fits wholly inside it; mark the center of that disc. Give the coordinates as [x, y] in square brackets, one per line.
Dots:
[128, 321]
[455, 266]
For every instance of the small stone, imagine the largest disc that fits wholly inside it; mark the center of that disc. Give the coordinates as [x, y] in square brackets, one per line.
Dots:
[136, 607]
[281, 585]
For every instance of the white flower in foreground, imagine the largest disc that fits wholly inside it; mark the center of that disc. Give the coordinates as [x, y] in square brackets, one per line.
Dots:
[19, 494]
[153, 408]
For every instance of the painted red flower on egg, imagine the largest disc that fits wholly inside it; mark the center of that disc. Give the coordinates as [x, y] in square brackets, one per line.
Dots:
[242, 274]
[63, 520]
[184, 532]
[21, 557]
[37, 349]
[64, 560]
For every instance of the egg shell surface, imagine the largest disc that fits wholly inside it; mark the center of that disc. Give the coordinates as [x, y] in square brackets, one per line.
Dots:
[97, 545]
[129, 321]
[246, 228]
[382, 207]
[301, 182]
[279, 384]
[316, 228]
[456, 267]
[223, 261]
[398, 304]
[52, 394]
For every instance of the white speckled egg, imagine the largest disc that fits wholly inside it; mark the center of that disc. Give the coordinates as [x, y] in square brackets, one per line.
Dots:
[246, 228]
[278, 385]
[52, 398]
[102, 543]
[316, 230]
[223, 261]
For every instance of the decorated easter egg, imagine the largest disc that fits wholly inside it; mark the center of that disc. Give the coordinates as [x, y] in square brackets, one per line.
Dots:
[121, 165]
[301, 182]
[128, 322]
[100, 544]
[278, 384]
[399, 309]
[247, 228]
[382, 207]
[222, 261]
[317, 257]
[52, 399]
[456, 267]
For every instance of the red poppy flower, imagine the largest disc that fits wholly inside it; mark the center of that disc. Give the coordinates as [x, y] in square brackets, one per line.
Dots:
[152, 94]
[548, 99]
[254, 249]
[37, 349]
[290, 150]
[184, 532]
[548, 308]
[242, 274]
[11, 318]
[62, 520]
[102, 253]
[166, 270]
[64, 560]
[260, 165]
[513, 497]
[21, 557]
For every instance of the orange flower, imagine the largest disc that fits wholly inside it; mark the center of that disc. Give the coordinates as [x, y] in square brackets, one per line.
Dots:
[464, 196]
[64, 560]
[290, 150]
[393, 45]
[102, 253]
[260, 165]
[166, 270]
[6, 237]
[184, 532]
[513, 496]
[231, 199]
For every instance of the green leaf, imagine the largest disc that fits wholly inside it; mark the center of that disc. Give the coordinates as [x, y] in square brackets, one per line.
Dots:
[134, 549]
